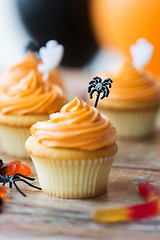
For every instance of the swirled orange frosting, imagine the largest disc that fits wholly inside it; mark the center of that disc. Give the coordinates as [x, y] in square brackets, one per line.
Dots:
[30, 63]
[133, 85]
[31, 95]
[78, 126]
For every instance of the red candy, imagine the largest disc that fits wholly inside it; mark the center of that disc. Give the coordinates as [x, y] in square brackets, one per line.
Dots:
[14, 167]
[149, 209]
[21, 168]
[147, 190]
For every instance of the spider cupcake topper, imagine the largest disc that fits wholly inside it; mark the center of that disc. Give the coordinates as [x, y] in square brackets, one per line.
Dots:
[96, 85]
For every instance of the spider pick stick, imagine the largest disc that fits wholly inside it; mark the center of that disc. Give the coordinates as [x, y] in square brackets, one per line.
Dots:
[96, 85]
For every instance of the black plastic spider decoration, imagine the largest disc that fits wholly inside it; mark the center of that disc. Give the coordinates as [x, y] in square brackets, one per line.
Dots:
[32, 46]
[17, 178]
[96, 85]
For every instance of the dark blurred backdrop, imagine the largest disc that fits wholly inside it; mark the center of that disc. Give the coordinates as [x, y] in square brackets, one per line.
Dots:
[66, 21]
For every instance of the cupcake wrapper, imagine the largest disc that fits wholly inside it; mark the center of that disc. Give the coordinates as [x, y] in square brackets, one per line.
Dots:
[132, 124]
[13, 140]
[73, 178]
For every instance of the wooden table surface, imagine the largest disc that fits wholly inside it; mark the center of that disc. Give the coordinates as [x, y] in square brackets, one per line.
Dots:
[42, 217]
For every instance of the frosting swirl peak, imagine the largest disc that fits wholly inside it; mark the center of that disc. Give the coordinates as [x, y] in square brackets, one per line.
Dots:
[133, 85]
[30, 63]
[78, 126]
[23, 90]
[31, 95]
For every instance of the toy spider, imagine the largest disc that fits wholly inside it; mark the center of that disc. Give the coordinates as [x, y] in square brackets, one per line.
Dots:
[96, 85]
[17, 178]
[32, 46]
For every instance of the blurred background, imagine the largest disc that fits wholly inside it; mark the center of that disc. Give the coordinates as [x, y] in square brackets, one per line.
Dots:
[96, 34]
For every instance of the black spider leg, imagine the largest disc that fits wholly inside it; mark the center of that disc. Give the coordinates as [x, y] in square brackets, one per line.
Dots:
[106, 91]
[16, 178]
[2, 179]
[92, 91]
[18, 188]
[93, 81]
[107, 83]
[98, 79]
[108, 80]
[31, 185]
[7, 180]
[21, 175]
[11, 180]
[29, 178]
[89, 88]
[10, 184]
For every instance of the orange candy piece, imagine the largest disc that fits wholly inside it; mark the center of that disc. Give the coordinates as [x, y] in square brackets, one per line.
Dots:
[14, 167]
[3, 191]
[21, 168]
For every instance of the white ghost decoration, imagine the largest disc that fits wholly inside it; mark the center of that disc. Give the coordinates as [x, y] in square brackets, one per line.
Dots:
[51, 55]
[141, 53]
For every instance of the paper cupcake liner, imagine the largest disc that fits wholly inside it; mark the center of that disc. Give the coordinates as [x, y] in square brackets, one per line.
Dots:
[132, 124]
[73, 178]
[13, 140]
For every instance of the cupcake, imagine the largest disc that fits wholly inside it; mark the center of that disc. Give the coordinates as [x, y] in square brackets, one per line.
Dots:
[30, 62]
[73, 151]
[24, 99]
[133, 102]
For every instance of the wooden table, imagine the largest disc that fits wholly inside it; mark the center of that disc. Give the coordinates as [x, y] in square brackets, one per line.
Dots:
[42, 217]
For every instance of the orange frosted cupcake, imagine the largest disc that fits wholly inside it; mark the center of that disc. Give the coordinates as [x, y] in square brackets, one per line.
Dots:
[25, 98]
[73, 151]
[30, 62]
[133, 102]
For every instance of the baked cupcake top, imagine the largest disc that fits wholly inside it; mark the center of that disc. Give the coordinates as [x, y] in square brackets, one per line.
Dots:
[28, 93]
[30, 63]
[76, 126]
[132, 87]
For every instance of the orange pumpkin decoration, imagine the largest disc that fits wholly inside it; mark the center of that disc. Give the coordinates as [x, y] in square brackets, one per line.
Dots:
[121, 22]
